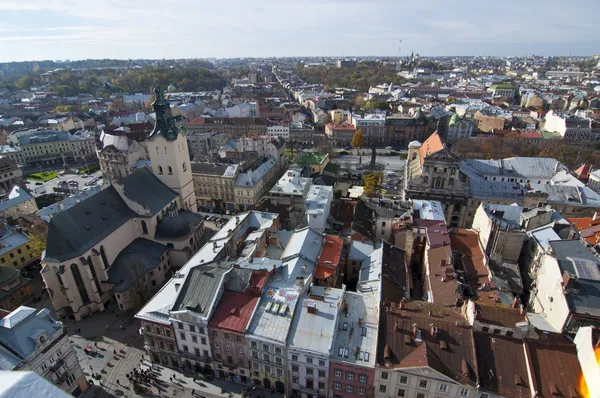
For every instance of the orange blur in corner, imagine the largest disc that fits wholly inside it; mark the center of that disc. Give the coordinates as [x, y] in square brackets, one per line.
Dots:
[583, 388]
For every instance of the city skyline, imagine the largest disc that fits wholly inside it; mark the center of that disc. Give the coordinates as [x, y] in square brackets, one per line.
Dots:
[63, 29]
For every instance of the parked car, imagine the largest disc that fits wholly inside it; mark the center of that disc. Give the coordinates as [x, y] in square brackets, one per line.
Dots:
[388, 148]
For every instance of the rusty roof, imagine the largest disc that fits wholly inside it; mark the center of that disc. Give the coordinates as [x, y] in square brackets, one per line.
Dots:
[234, 311]
[466, 243]
[415, 338]
[555, 368]
[498, 315]
[502, 365]
[395, 275]
[430, 146]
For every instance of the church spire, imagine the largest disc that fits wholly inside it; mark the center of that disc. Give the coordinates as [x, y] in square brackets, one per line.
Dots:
[164, 125]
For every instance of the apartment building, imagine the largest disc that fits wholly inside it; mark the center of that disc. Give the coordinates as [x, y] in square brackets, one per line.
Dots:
[47, 349]
[309, 352]
[51, 147]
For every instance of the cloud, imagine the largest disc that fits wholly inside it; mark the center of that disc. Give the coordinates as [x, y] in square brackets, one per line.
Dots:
[202, 28]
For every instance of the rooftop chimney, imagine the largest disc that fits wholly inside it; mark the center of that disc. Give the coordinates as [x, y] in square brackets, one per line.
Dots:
[434, 331]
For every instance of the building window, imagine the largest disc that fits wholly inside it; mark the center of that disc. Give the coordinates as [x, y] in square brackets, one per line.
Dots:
[321, 363]
[362, 378]
[144, 228]
[421, 395]
[184, 166]
[422, 383]
[294, 368]
[79, 283]
[294, 357]
[443, 387]
[337, 386]
[160, 169]
[401, 393]
[349, 388]
[337, 372]
[265, 347]
[170, 170]
[194, 339]
[309, 371]
[382, 389]
[278, 350]
[403, 380]
[349, 375]
[465, 393]
[309, 360]
[182, 336]
[266, 357]
[384, 375]
[254, 344]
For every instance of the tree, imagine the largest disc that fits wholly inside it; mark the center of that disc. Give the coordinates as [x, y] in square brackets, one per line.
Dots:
[358, 140]
[37, 240]
[359, 101]
[374, 104]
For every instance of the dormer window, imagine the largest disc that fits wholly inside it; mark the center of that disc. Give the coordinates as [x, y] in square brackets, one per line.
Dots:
[42, 339]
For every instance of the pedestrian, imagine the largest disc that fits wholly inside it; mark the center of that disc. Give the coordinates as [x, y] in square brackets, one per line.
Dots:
[115, 352]
[193, 392]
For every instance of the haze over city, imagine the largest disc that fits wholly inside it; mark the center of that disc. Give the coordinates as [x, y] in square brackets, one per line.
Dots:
[69, 29]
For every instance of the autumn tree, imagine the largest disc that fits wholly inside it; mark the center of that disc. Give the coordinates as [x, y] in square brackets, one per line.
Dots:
[358, 140]
[37, 240]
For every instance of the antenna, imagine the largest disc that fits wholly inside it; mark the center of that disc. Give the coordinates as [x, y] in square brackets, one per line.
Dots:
[400, 46]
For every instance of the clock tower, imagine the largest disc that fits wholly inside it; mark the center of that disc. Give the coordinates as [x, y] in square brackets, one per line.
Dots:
[169, 155]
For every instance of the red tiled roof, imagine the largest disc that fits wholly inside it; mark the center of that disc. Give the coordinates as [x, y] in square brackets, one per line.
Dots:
[583, 172]
[431, 145]
[331, 251]
[341, 126]
[588, 228]
[198, 121]
[234, 312]
[323, 272]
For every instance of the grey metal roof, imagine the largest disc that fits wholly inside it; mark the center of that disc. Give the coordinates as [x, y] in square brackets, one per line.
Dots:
[200, 288]
[586, 298]
[8, 277]
[304, 242]
[12, 238]
[526, 167]
[216, 169]
[50, 211]
[145, 188]
[16, 195]
[20, 329]
[139, 257]
[314, 332]
[76, 230]
[359, 250]
[237, 280]
[172, 227]
[359, 335]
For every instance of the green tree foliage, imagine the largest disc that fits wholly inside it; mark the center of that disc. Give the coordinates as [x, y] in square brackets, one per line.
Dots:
[374, 104]
[360, 77]
[24, 83]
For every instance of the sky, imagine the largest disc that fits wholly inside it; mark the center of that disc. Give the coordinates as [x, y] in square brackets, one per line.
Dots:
[130, 29]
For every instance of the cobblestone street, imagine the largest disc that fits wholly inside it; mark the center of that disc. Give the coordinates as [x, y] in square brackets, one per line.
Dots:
[108, 333]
